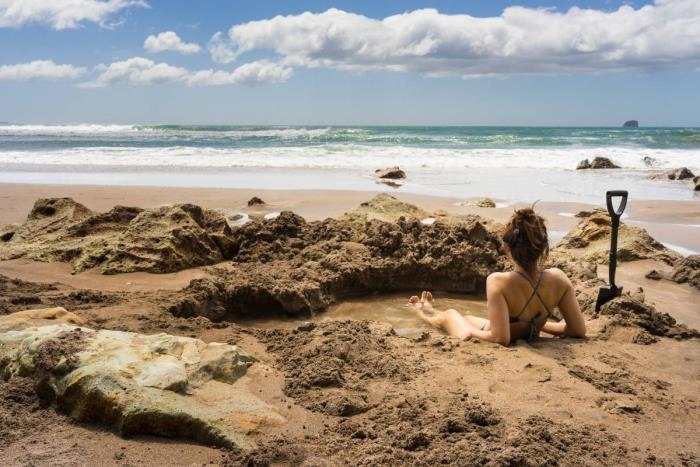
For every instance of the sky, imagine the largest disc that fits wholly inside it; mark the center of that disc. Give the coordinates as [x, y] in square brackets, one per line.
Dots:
[468, 62]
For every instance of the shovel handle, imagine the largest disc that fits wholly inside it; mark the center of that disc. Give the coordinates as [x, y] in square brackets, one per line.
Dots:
[615, 223]
[609, 201]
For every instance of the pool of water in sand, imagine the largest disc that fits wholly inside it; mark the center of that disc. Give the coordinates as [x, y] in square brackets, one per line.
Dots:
[392, 309]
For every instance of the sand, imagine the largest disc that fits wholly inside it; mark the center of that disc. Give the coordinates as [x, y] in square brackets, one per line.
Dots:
[419, 400]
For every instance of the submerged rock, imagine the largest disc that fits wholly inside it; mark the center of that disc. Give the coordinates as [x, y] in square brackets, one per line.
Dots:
[159, 384]
[687, 270]
[390, 173]
[125, 239]
[590, 240]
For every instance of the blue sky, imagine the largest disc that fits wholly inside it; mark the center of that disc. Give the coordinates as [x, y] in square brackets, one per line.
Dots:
[438, 68]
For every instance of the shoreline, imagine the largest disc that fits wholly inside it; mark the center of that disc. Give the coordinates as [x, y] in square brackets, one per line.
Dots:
[674, 223]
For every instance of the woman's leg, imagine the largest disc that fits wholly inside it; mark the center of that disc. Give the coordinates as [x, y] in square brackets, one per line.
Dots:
[449, 321]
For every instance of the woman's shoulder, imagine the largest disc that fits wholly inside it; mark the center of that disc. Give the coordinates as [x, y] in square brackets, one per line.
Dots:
[558, 275]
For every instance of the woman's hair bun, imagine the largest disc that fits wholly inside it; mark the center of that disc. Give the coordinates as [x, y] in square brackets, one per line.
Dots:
[526, 237]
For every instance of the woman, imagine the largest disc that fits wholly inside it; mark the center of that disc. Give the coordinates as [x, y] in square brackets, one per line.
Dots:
[519, 302]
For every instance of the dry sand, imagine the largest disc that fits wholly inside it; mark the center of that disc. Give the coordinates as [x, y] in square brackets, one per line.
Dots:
[605, 400]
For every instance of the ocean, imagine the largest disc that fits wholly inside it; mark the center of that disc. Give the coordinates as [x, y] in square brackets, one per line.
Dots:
[439, 160]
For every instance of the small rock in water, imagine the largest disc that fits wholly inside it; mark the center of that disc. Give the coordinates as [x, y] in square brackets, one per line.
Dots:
[631, 124]
[391, 182]
[391, 173]
[255, 201]
[680, 174]
[597, 163]
[649, 161]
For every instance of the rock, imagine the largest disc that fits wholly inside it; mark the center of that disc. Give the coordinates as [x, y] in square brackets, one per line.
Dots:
[597, 163]
[696, 182]
[584, 164]
[390, 182]
[680, 174]
[255, 201]
[391, 173]
[603, 163]
[687, 271]
[125, 239]
[629, 310]
[590, 241]
[152, 384]
[653, 275]
[480, 203]
[650, 161]
[631, 124]
[386, 208]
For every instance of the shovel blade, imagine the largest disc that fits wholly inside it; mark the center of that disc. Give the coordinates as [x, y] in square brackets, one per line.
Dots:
[606, 294]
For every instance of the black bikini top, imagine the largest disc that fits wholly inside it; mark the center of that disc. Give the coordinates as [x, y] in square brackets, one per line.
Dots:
[533, 323]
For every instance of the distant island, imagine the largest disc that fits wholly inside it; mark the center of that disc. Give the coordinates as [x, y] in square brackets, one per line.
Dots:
[631, 124]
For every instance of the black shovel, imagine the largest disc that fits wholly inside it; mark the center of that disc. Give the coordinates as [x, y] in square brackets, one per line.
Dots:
[605, 294]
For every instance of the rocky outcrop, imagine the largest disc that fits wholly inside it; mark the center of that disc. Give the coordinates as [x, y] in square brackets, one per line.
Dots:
[597, 163]
[392, 173]
[590, 241]
[479, 203]
[687, 271]
[682, 173]
[630, 310]
[125, 239]
[287, 266]
[158, 384]
[631, 124]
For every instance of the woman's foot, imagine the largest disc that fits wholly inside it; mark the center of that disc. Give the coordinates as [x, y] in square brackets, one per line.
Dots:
[425, 300]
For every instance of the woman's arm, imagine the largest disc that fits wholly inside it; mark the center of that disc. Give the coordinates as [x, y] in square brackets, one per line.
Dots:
[573, 325]
[499, 329]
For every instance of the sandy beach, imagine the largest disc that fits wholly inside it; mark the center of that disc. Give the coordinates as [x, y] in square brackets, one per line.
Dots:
[598, 399]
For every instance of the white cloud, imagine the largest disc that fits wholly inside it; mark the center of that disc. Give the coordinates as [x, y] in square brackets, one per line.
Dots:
[61, 14]
[520, 41]
[220, 50]
[168, 40]
[39, 69]
[250, 74]
[136, 71]
[142, 71]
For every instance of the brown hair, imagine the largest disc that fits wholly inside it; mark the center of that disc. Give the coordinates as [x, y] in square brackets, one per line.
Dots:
[526, 237]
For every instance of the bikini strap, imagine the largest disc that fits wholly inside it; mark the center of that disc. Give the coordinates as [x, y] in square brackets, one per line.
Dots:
[535, 291]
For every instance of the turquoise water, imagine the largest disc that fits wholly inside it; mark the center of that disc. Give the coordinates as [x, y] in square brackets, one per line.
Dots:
[48, 137]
